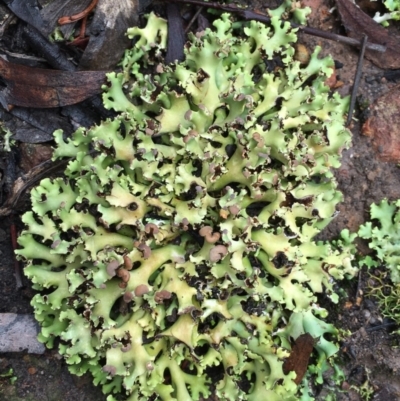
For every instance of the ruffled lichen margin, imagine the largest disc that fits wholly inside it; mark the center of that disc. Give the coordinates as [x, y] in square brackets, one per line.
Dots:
[176, 258]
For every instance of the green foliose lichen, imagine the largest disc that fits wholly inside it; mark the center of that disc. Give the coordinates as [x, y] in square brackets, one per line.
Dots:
[177, 258]
[383, 235]
[393, 12]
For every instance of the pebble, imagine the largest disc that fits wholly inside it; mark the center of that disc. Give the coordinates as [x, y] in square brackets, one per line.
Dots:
[363, 332]
[345, 386]
[19, 332]
[301, 54]
[369, 79]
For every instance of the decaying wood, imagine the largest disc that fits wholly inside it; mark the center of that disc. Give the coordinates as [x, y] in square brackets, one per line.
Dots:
[107, 32]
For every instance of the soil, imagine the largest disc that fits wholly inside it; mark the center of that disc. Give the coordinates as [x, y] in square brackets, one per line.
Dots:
[370, 355]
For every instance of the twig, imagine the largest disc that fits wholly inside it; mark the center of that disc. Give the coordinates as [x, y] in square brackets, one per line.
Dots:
[50, 51]
[381, 326]
[17, 267]
[252, 15]
[357, 80]
[196, 14]
[72, 18]
[176, 35]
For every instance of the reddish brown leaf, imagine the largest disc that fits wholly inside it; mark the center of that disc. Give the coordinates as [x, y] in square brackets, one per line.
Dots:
[41, 88]
[33, 154]
[383, 125]
[299, 357]
[358, 24]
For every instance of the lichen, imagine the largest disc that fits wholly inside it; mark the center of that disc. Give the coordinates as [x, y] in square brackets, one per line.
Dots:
[383, 235]
[393, 12]
[177, 257]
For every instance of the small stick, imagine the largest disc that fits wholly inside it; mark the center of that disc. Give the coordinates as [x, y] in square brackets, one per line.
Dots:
[252, 15]
[381, 326]
[17, 267]
[196, 14]
[81, 40]
[50, 51]
[357, 79]
[82, 31]
[76, 17]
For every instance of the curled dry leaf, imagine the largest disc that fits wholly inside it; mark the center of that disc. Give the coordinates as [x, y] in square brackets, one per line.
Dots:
[358, 24]
[383, 125]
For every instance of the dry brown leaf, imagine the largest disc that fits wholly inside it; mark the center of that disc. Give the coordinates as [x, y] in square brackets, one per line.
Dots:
[299, 357]
[33, 154]
[41, 88]
[358, 24]
[383, 125]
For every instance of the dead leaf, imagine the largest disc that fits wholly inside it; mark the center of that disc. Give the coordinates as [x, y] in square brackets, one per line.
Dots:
[383, 125]
[299, 357]
[358, 24]
[41, 88]
[35, 125]
[331, 81]
[33, 154]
